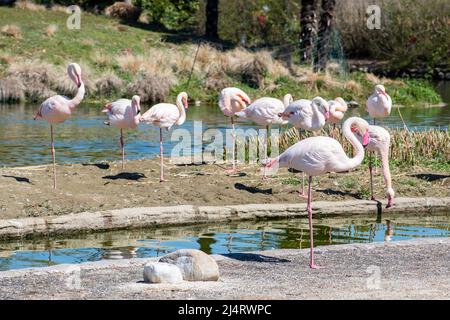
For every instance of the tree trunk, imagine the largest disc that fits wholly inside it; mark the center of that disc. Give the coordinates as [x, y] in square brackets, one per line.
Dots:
[325, 28]
[308, 32]
[212, 18]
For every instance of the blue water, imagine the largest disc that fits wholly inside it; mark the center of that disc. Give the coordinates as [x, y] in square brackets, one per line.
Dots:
[228, 238]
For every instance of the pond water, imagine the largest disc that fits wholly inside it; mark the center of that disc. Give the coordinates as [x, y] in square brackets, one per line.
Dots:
[219, 239]
[84, 137]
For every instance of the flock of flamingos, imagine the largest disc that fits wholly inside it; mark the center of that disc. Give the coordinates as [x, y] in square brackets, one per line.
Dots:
[313, 156]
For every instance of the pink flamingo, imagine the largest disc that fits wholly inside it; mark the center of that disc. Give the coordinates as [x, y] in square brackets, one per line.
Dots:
[320, 155]
[309, 115]
[338, 107]
[265, 112]
[58, 108]
[123, 113]
[232, 100]
[165, 115]
[379, 104]
[380, 141]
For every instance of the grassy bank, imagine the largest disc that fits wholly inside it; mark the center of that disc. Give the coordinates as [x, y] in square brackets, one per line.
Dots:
[121, 60]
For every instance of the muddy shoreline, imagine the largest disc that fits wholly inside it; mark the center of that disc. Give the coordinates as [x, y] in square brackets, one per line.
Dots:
[93, 187]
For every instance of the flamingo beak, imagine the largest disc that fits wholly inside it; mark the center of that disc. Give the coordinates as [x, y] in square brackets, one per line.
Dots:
[366, 139]
[78, 81]
[390, 202]
[243, 99]
[185, 103]
[327, 115]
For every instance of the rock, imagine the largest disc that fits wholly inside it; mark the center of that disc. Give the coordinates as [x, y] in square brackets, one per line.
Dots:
[195, 265]
[158, 272]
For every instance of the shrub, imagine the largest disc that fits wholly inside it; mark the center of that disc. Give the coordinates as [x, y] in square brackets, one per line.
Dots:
[150, 87]
[12, 30]
[108, 84]
[11, 90]
[124, 11]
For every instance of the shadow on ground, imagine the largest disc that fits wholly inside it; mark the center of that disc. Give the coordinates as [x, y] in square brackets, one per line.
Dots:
[19, 179]
[430, 176]
[332, 192]
[254, 257]
[103, 166]
[135, 176]
[240, 186]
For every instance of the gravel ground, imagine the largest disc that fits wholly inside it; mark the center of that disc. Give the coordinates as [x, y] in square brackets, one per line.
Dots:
[412, 269]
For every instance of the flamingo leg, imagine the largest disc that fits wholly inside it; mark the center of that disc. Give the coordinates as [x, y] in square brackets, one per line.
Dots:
[371, 178]
[123, 148]
[53, 156]
[312, 265]
[301, 191]
[161, 155]
[233, 141]
[265, 151]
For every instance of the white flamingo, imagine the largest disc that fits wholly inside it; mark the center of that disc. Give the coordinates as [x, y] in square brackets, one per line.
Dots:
[320, 155]
[232, 100]
[305, 114]
[379, 104]
[338, 107]
[265, 112]
[58, 108]
[123, 114]
[380, 141]
[165, 115]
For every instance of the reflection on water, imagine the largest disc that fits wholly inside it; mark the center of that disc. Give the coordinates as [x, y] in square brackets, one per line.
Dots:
[226, 238]
[84, 137]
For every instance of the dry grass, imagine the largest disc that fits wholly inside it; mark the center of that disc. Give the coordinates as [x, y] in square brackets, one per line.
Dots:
[37, 77]
[407, 147]
[12, 30]
[58, 8]
[108, 84]
[11, 90]
[29, 6]
[50, 30]
[352, 86]
[150, 87]
[6, 58]
[102, 60]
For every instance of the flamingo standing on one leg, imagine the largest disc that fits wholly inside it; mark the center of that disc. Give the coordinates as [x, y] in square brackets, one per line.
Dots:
[320, 155]
[58, 108]
[165, 115]
[378, 105]
[338, 107]
[380, 141]
[232, 100]
[305, 114]
[265, 112]
[123, 113]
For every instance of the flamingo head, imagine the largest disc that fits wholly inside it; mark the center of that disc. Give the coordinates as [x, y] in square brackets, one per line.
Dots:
[184, 99]
[287, 113]
[324, 107]
[136, 104]
[360, 127]
[380, 89]
[244, 99]
[390, 196]
[74, 72]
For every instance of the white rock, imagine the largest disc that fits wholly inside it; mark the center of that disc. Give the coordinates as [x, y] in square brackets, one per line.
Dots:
[158, 272]
[195, 265]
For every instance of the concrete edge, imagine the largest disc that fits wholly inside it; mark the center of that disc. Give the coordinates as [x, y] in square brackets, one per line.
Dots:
[127, 263]
[142, 217]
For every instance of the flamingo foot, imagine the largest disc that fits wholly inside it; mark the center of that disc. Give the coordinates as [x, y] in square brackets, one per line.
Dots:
[315, 266]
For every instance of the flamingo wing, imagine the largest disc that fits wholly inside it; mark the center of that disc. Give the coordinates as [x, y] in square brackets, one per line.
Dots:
[163, 115]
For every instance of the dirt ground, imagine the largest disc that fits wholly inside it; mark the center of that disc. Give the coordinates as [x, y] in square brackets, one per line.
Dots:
[27, 192]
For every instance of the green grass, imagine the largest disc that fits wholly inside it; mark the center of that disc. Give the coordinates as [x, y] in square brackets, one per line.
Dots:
[101, 35]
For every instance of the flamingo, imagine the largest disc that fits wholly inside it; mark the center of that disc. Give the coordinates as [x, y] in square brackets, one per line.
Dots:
[320, 155]
[304, 114]
[380, 141]
[232, 100]
[265, 112]
[58, 108]
[379, 104]
[165, 115]
[338, 107]
[123, 113]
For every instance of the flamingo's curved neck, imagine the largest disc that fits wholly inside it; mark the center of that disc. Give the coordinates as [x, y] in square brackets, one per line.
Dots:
[357, 146]
[78, 97]
[287, 100]
[180, 107]
[318, 116]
